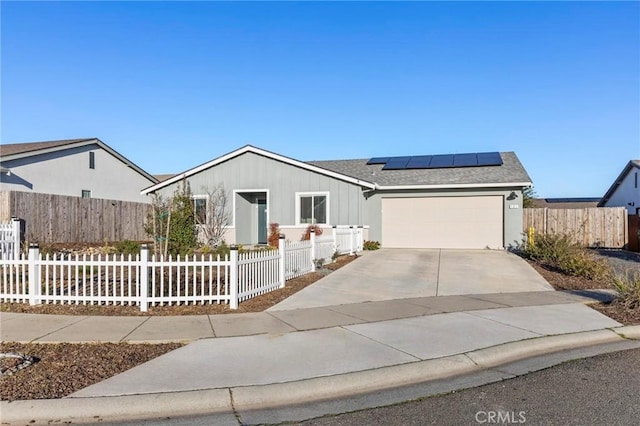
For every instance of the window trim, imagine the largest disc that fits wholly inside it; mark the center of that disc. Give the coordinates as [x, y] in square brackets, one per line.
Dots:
[206, 204]
[299, 195]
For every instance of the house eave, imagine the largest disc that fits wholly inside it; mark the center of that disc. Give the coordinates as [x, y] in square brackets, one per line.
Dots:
[264, 153]
[616, 183]
[454, 186]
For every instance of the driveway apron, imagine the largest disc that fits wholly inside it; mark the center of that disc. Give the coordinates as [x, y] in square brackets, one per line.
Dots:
[389, 274]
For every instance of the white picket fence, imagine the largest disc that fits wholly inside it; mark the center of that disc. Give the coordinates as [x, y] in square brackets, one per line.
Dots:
[198, 279]
[10, 239]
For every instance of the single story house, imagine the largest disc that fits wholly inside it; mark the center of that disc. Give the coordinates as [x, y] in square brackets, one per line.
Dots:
[625, 192]
[428, 201]
[86, 168]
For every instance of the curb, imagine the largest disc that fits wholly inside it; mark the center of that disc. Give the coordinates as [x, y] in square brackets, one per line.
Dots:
[272, 396]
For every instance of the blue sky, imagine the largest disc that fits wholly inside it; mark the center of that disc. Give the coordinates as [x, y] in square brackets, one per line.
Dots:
[171, 85]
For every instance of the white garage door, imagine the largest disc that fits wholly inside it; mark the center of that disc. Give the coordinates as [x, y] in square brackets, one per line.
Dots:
[442, 222]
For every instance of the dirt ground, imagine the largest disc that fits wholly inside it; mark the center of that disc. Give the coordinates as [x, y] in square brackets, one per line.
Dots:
[61, 369]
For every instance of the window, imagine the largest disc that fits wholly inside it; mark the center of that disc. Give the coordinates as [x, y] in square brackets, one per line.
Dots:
[636, 183]
[313, 208]
[92, 160]
[200, 209]
[86, 193]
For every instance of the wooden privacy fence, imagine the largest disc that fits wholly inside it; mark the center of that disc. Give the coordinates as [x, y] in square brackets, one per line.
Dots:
[57, 218]
[591, 227]
[145, 279]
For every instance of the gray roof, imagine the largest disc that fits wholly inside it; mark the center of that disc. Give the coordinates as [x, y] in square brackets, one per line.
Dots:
[511, 171]
[22, 148]
[14, 151]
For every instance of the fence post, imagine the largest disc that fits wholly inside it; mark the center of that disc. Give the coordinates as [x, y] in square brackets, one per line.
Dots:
[17, 238]
[281, 260]
[360, 243]
[233, 277]
[34, 274]
[351, 240]
[335, 238]
[312, 240]
[144, 278]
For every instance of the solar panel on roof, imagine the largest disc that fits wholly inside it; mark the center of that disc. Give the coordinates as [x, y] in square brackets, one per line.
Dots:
[396, 163]
[378, 160]
[489, 159]
[465, 160]
[419, 162]
[441, 161]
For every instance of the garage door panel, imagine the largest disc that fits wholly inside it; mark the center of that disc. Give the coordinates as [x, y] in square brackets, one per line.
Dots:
[442, 222]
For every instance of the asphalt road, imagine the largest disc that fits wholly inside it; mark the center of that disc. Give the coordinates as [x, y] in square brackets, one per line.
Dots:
[603, 390]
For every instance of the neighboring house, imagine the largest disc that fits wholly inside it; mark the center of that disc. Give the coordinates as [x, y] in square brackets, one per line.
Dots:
[425, 201]
[76, 167]
[565, 203]
[625, 190]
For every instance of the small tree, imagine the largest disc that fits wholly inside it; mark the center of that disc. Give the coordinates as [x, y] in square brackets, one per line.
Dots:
[182, 230]
[215, 217]
[274, 235]
[171, 222]
[528, 194]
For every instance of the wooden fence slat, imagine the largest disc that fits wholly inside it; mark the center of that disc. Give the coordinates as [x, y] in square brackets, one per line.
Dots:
[592, 227]
[57, 218]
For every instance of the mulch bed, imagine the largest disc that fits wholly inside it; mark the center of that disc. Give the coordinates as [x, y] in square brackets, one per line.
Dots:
[613, 310]
[61, 369]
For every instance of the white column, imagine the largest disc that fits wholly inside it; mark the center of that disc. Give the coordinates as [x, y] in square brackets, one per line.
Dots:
[281, 260]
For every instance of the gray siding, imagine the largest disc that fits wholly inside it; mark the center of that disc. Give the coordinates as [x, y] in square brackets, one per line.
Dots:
[251, 171]
[67, 172]
[512, 209]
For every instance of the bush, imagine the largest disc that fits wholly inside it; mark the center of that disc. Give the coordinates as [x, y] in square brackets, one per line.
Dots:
[127, 247]
[371, 245]
[307, 233]
[274, 235]
[563, 253]
[628, 288]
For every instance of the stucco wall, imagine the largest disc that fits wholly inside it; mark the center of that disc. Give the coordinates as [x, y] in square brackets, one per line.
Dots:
[67, 172]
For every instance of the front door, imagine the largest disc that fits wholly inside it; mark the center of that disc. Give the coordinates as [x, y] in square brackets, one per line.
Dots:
[262, 221]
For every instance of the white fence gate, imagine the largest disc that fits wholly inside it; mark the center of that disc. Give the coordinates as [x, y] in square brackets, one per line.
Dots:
[144, 280]
[10, 239]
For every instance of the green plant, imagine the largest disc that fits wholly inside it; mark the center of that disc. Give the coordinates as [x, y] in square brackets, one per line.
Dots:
[127, 247]
[307, 233]
[335, 255]
[628, 288]
[318, 263]
[563, 253]
[371, 245]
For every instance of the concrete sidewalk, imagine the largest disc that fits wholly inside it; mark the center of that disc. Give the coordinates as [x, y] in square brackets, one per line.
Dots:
[244, 365]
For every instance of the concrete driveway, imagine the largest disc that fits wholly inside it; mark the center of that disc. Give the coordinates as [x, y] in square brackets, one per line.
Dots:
[389, 274]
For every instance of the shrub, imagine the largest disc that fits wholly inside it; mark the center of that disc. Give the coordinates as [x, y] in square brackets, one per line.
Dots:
[628, 288]
[371, 245]
[127, 247]
[307, 233]
[274, 235]
[563, 253]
